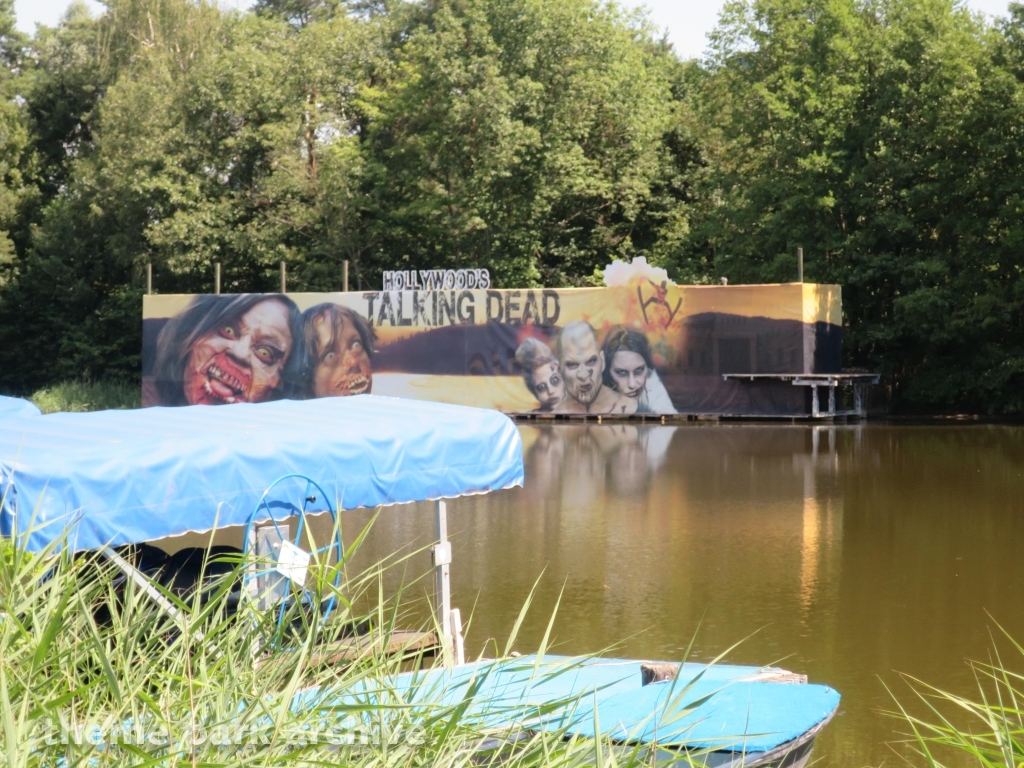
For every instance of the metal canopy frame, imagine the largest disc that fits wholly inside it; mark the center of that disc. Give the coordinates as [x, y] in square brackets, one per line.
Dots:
[449, 620]
[267, 518]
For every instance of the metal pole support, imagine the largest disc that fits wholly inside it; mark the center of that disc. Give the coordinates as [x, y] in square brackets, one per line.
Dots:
[284, 278]
[799, 265]
[344, 275]
[149, 278]
[142, 582]
[216, 278]
[441, 555]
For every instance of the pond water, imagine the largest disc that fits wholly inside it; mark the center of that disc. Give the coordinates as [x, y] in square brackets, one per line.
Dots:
[849, 553]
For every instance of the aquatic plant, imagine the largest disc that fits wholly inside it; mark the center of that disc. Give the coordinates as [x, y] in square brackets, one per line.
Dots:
[988, 730]
[93, 674]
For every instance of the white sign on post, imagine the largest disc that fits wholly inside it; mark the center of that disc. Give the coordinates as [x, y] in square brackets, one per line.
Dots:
[292, 563]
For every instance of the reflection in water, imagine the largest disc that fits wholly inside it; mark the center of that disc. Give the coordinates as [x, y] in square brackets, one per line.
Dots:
[822, 516]
[809, 553]
[579, 463]
[849, 552]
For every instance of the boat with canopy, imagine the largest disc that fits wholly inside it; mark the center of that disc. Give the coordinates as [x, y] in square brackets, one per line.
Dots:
[103, 480]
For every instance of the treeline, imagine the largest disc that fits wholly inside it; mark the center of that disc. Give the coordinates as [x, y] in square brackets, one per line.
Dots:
[537, 138]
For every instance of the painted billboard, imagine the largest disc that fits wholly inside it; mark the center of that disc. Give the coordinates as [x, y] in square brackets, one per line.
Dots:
[641, 348]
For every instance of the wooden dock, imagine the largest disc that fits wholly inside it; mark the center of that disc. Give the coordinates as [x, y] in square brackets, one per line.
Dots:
[822, 410]
[653, 419]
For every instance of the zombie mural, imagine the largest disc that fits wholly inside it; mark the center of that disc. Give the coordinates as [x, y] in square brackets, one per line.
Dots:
[643, 347]
[227, 349]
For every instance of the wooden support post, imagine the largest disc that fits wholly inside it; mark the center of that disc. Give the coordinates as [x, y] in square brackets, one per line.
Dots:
[344, 275]
[216, 278]
[459, 644]
[149, 278]
[799, 265]
[284, 278]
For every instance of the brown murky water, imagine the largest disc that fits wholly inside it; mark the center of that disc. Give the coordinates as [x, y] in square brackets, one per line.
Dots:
[849, 553]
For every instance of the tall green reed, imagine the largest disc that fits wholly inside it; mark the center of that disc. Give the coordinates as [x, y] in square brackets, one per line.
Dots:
[986, 730]
[93, 674]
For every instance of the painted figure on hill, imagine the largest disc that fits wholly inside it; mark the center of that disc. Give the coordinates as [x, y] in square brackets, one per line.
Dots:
[541, 373]
[339, 346]
[228, 349]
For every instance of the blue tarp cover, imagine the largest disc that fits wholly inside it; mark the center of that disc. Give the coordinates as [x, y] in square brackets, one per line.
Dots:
[121, 477]
[12, 407]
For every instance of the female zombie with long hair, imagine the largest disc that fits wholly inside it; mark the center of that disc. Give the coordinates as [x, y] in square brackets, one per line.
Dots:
[229, 349]
[340, 346]
[629, 369]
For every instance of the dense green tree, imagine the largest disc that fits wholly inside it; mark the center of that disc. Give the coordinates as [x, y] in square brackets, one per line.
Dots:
[521, 136]
[883, 138]
[17, 178]
[73, 310]
[65, 85]
[539, 138]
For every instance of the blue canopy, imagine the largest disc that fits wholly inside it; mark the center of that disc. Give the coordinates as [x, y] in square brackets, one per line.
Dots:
[123, 477]
[11, 407]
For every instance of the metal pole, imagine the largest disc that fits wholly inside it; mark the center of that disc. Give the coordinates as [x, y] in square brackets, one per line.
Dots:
[149, 278]
[146, 586]
[344, 275]
[442, 556]
[216, 277]
[284, 278]
[143, 583]
[799, 265]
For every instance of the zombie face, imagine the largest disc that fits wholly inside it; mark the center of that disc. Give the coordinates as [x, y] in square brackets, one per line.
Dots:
[548, 386]
[582, 362]
[240, 361]
[344, 364]
[629, 372]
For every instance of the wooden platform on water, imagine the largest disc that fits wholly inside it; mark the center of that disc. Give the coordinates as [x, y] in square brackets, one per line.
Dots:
[826, 412]
[678, 418]
[406, 644]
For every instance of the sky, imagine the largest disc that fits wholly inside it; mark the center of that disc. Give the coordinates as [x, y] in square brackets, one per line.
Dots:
[687, 21]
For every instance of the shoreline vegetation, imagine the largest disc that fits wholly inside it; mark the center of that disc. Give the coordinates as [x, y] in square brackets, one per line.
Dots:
[92, 673]
[987, 730]
[78, 396]
[539, 140]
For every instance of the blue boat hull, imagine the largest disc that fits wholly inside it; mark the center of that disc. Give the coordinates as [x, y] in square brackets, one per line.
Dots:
[720, 716]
